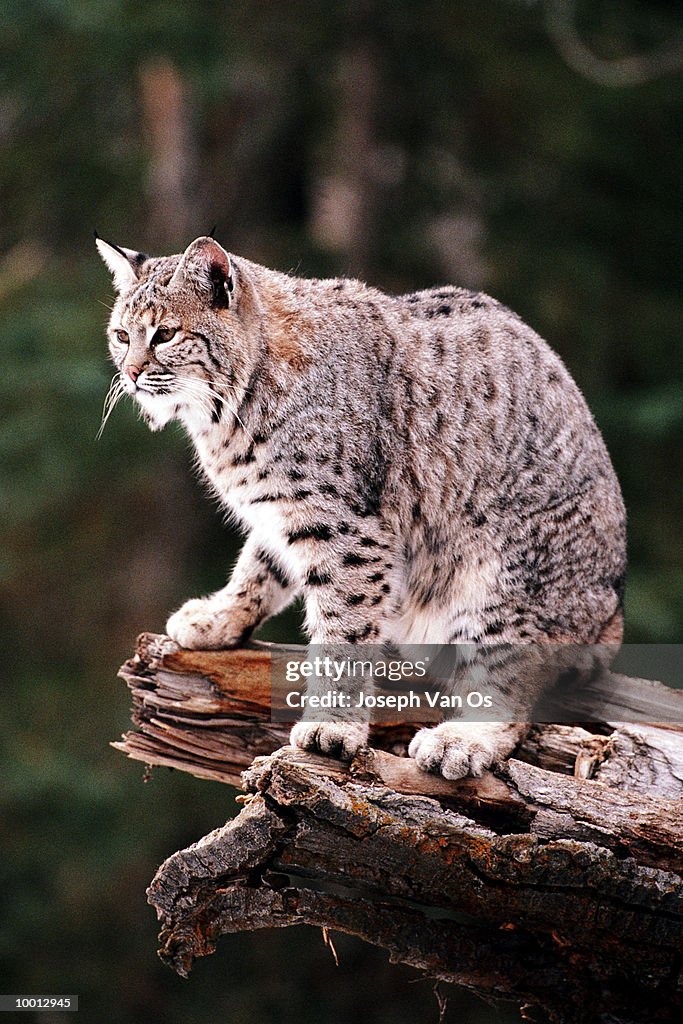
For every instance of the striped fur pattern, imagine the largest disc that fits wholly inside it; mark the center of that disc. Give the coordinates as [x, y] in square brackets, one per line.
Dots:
[421, 468]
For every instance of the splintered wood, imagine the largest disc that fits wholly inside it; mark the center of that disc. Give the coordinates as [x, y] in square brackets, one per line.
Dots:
[554, 881]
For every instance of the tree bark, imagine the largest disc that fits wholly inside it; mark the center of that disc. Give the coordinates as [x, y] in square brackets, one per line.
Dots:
[555, 880]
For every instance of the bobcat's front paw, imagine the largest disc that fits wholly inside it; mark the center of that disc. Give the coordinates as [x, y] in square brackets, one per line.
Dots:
[455, 750]
[202, 625]
[339, 739]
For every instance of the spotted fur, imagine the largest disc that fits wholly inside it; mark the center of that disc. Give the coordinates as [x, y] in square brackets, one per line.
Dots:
[421, 468]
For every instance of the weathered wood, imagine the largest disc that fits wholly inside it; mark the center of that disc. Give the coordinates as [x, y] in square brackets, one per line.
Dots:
[204, 712]
[556, 880]
[564, 922]
[645, 759]
[209, 713]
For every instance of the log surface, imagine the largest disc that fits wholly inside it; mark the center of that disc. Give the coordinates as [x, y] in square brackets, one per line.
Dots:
[564, 922]
[555, 880]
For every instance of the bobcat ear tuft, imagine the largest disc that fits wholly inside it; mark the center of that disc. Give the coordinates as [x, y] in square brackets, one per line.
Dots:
[124, 264]
[205, 266]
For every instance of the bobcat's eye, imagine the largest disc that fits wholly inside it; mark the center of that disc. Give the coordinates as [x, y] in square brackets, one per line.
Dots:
[164, 334]
[122, 337]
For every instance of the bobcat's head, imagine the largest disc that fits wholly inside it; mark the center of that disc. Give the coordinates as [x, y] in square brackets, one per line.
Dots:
[175, 334]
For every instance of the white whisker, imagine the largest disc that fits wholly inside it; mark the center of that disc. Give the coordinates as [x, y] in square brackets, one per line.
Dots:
[203, 392]
[233, 411]
[114, 394]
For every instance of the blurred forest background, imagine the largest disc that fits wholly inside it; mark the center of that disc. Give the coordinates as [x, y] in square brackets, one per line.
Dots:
[509, 145]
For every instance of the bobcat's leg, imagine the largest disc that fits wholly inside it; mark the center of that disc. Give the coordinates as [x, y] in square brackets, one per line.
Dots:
[515, 676]
[258, 588]
[348, 590]
[512, 676]
[457, 749]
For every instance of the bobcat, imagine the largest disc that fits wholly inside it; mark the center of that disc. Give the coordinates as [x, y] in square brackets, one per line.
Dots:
[421, 468]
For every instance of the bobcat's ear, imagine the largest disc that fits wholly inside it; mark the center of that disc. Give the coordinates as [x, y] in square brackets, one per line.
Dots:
[123, 263]
[205, 266]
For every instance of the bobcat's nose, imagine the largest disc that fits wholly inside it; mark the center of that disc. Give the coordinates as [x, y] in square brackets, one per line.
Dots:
[133, 372]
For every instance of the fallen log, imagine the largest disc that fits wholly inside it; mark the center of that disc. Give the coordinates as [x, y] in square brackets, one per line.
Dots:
[555, 880]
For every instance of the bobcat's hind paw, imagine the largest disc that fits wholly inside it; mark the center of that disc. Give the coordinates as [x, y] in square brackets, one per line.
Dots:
[338, 739]
[466, 748]
[202, 625]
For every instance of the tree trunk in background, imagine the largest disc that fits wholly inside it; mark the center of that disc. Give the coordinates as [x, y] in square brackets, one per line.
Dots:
[171, 171]
[343, 192]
